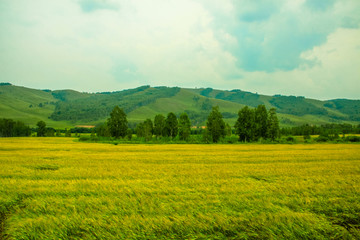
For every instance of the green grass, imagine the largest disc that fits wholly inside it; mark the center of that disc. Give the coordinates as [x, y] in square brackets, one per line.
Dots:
[15, 104]
[55, 188]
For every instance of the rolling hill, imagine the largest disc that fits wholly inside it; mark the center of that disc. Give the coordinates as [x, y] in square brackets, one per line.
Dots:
[67, 108]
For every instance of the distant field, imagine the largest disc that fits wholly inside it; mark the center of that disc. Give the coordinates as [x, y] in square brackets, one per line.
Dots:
[55, 188]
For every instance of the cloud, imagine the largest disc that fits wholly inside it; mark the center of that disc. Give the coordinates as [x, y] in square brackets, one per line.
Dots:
[97, 45]
[254, 11]
[275, 33]
[319, 5]
[334, 75]
[94, 5]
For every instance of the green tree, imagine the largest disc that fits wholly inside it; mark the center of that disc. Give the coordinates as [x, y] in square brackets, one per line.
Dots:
[184, 127]
[228, 130]
[171, 125]
[117, 123]
[10, 128]
[306, 132]
[140, 130]
[6, 127]
[67, 132]
[20, 129]
[58, 133]
[261, 122]
[159, 125]
[102, 130]
[148, 129]
[129, 134]
[273, 127]
[41, 129]
[206, 105]
[215, 125]
[50, 132]
[244, 125]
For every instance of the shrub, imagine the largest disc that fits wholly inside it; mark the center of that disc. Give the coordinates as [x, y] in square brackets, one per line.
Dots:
[322, 139]
[290, 139]
[352, 139]
[84, 138]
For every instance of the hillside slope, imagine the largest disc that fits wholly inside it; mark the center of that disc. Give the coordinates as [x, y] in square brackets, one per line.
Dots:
[27, 105]
[63, 108]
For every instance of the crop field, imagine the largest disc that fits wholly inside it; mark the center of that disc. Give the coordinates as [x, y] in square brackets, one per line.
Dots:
[57, 188]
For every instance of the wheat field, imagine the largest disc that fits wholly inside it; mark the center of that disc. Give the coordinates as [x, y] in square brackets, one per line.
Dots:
[58, 188]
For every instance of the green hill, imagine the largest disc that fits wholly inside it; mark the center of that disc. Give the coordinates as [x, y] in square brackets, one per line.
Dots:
[28, 105]
[66, 108]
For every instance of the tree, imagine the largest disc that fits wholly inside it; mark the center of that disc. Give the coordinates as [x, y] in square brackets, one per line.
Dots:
[145, 129]
[148, 129]
[140, 130]
[21, 130]
[171, 125]
[117, 123]
[306, 132]
[58, 133]
[261, 122]
[228, 130]
[129, 134]
[10, 128]
[41, 130]
[206, 105]
[215, 124]
[6, 127]
[244, 125]
[67, 132]
[102, 130]
[273, 127]
[184, 127]
[159, 125]
[50, 132]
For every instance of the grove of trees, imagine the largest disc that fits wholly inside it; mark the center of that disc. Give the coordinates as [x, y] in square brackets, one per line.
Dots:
[255, 124]
[251, 125]
[11, 128]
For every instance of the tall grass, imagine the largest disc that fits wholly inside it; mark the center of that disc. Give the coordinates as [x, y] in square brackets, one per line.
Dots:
[55, 188]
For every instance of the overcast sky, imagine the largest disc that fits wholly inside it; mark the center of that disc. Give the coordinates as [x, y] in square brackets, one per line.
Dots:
[304, 48]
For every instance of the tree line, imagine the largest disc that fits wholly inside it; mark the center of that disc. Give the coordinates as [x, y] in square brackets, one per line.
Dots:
[11, 128]
[251, 125]
[326, 132]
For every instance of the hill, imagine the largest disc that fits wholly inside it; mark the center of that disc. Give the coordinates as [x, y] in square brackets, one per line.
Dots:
[66, 108]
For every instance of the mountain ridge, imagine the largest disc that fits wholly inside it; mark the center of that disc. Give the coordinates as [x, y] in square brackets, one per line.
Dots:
[69, 107]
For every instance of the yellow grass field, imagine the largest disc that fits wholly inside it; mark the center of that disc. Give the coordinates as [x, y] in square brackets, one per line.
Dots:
[57, 188]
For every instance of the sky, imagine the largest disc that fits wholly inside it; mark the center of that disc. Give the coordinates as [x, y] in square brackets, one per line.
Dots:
[305, 48]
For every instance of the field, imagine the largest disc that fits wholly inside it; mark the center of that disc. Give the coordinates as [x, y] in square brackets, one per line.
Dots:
[57, 188]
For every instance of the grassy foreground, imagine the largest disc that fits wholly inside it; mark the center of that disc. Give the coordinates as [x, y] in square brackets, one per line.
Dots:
[55, 188]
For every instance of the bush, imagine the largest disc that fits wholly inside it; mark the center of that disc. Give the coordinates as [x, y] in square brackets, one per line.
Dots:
[322, 139]
[352, 139]
[129, 134]
[307, 137]
[290, 139]
[84, 138]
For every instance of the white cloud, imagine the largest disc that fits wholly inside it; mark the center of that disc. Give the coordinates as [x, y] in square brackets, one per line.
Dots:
[104, 45]
[335, 75]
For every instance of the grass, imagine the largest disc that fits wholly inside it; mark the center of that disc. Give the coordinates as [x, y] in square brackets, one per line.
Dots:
[15, 104]
[55, 188]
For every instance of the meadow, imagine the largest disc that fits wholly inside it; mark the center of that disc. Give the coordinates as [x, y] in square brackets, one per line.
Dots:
[58, 188]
